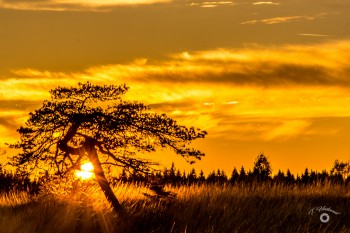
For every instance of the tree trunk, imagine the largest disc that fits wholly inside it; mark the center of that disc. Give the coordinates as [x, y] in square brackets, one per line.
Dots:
[103, 182]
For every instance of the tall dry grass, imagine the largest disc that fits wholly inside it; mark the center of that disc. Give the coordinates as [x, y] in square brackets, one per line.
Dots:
[204, 208]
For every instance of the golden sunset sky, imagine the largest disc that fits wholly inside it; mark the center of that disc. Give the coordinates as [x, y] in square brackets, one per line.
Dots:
[270, 77]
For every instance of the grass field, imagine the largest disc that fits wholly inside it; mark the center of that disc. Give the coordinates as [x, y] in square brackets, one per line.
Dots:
[206, 208]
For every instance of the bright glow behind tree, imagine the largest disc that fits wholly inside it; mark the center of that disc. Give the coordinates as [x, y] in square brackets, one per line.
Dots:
[85, 172]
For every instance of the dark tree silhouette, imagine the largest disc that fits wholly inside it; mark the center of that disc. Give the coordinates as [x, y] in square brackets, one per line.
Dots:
[305, 177]
[201, 177]
[221, 176]
[290, 179]
[211, 179]
[341, 169]
[234, 176]
[172, 175]
[92, 122]
[279, 178]
[262, 168]
[192, 176]
[242, 175]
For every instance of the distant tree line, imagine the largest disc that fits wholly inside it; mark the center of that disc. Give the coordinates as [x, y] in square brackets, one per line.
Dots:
[260, 173]
[13, 181]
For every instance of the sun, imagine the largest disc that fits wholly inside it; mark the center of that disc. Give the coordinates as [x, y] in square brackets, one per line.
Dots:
[85, 172]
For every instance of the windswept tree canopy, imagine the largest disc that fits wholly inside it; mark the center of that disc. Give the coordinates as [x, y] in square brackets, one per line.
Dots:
[77, 120]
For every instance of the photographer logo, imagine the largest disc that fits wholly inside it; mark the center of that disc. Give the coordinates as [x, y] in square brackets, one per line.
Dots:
[324, 217]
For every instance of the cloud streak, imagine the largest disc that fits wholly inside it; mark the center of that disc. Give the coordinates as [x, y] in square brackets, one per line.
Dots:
[73, 5]
[319, 64]
[273, 93]
[287, 19]
[313, 35]
[211, 4]
[284, 19]
[266, 3]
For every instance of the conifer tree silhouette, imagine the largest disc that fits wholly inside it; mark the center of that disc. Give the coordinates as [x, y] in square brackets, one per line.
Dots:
[92, 122]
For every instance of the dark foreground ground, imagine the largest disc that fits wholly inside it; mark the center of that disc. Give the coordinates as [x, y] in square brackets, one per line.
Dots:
[204, 209]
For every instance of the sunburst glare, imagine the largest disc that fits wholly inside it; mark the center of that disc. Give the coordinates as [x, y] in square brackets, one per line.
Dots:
[86, 171]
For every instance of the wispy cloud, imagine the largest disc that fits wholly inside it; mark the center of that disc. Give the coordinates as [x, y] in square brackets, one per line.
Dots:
[211, 4]
[319, 64]
[288, 19]
[266, 3]
[254, 93]
[73, 5]
[313, 35]
[284, 19]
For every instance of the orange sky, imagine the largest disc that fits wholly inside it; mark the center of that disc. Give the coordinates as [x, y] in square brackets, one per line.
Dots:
[269, 77]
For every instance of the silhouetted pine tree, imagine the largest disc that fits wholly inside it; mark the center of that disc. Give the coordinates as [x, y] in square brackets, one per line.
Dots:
[184, 177]
[221, 177]
[172, 174]
[211, 179]
[234, 176]
[305, 177]
[279, 178]
[289, 179]
[242, 175]
[178, 178]
[313, 177]
[201, 177]
[340, 171]
[192, 176]
[262, 168]
[322, 177]
[166, 176]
